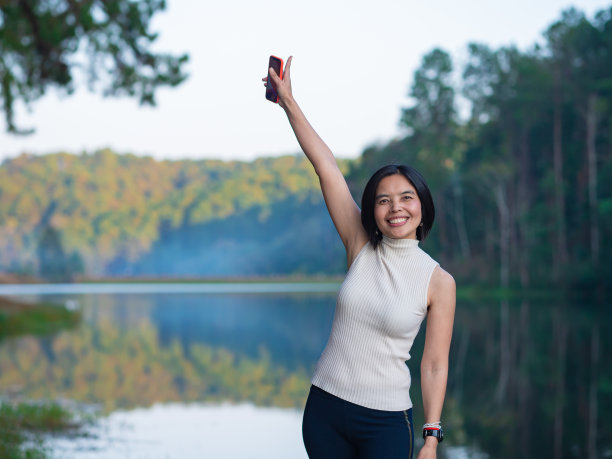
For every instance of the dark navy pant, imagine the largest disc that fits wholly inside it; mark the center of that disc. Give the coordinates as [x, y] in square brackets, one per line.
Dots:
[336, 429]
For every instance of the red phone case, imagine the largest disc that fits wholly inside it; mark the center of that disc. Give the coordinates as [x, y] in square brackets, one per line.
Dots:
[271, 93]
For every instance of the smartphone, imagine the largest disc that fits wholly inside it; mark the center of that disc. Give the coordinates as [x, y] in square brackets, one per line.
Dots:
[277, 64]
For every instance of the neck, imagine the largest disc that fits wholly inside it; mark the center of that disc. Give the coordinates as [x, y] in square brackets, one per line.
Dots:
[400, 243]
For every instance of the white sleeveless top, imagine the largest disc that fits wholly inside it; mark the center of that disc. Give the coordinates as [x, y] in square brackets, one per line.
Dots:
[379, 310]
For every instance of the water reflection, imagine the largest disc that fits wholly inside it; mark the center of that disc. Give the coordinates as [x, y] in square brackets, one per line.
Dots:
[292, 328]
[190, 431]
[527, 378]
[136, 350]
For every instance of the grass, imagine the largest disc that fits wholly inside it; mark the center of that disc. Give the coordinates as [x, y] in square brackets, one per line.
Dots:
[41, 319]
[23, 423]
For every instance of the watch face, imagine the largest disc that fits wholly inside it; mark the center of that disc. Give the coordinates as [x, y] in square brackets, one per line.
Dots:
[438, 433]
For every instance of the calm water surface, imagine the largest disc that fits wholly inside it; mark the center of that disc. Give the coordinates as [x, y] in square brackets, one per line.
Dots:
[222, 370]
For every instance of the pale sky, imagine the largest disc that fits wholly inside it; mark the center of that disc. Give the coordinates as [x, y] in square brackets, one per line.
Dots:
[351, 73]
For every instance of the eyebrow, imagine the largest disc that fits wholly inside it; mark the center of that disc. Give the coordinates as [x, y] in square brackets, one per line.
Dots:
[403, 192]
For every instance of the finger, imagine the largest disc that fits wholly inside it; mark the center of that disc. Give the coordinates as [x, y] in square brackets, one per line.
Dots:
[273, 76]
[288, 68]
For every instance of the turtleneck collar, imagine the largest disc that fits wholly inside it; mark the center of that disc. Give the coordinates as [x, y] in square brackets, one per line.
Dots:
[400, 243]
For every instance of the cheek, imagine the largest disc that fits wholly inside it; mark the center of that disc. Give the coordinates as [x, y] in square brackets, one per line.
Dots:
[415, 208]
[379, 215]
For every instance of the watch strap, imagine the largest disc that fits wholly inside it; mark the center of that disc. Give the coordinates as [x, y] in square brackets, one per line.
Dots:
[438, 433]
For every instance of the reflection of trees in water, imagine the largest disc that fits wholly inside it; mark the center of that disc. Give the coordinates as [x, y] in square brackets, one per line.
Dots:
[292, 327]
[129, 368]
[552, 402]
[548, 400]
[124, 310]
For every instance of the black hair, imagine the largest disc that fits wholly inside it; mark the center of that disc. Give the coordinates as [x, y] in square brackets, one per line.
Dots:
[368, 201]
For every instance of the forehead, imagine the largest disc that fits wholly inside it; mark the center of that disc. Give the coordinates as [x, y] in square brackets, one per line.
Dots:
[394, 184]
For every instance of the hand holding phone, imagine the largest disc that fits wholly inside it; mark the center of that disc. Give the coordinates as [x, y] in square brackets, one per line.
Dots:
[275, 63]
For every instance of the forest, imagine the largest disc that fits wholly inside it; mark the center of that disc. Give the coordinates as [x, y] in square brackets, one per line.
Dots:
[516, 146]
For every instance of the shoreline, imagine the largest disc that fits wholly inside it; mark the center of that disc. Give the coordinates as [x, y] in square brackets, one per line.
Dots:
[469, 293]
[11, 279]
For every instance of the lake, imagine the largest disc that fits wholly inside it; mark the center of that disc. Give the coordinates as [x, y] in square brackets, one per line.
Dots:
[223, 370]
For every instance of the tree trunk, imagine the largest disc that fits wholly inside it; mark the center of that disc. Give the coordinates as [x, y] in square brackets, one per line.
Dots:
[591, 133]
[489, 238]
[504, 352]
[464, 243]
[443, 228]
[514, 256]
[459, 374]
[523, 204]
[504, 235]
[560, 255]
[524, 393]
[592, 421]
[504, 280]
[560, 341]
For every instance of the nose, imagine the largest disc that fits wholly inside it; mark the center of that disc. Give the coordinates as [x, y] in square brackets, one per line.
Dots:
[394, 205]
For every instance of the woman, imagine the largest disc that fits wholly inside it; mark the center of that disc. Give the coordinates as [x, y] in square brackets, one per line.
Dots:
[359, 404]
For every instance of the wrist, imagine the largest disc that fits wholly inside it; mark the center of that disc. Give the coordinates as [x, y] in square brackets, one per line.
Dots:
[431, 442]
[288, 103]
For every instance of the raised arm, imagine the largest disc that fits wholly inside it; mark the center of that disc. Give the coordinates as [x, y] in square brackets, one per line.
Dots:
[434, 364]
[342, 208]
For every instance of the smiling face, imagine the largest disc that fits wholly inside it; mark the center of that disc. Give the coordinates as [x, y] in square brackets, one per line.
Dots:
[397, 208]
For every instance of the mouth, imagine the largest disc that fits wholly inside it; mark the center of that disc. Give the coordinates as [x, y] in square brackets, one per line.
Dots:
[397, 221]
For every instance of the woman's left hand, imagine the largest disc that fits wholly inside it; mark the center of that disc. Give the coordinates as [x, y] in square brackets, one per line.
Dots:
[281, 86]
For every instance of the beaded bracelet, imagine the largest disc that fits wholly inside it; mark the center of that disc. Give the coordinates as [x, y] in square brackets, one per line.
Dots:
[432, 425]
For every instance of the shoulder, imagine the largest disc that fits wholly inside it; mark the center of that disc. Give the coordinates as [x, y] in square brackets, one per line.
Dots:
[442, 279]
[442, 287]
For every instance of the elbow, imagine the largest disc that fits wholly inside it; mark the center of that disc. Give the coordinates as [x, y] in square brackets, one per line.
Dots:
[328, 172]
[434, 366]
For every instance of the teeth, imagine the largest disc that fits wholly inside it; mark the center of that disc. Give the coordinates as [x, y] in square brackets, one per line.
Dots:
[398, 220]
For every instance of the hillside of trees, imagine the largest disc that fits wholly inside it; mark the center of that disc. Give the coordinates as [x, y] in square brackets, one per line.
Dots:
[521, 184]
[106, 214]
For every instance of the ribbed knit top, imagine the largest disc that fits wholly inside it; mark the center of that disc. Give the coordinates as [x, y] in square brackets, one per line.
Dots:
[379, 310]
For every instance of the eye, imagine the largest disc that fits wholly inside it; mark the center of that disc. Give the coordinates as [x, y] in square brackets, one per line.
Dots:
[383, 201]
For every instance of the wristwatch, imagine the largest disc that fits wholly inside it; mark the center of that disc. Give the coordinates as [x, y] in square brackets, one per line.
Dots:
[438, 433]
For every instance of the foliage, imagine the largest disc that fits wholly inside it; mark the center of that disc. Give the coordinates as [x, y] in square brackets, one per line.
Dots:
[43, 42]
[521, 184]
[41, 319]
[54, 264]
[18, 421]
[110, 211]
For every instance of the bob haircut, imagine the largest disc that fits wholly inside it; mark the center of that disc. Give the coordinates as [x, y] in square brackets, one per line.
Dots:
[368, 201]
